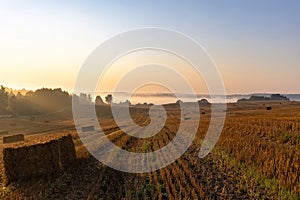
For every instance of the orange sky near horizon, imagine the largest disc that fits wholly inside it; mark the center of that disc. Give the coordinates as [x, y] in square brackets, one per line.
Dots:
[45, 44]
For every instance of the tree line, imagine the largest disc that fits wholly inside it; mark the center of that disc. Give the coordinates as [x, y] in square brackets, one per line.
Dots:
[42, 101]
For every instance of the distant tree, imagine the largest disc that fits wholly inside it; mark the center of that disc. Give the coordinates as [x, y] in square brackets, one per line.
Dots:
[12, 104]
[83, 97]
[179, 101]
[49, 100]
[19, 105]
[19, 95]
[203, 101]
[89, 98]
[109, 99]
[75, 99]
[128, 102]
[98, 100]
[3, 100]
[40, 101]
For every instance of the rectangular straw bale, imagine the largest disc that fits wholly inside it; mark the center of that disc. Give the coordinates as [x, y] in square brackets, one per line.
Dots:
[13, 138]
[46, 159]
[88, 128]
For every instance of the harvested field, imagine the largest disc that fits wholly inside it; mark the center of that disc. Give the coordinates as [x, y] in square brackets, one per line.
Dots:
[256, 157]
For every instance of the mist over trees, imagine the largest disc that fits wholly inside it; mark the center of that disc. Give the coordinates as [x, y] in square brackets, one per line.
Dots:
[3, 101]
[42, 101]
[38, 102]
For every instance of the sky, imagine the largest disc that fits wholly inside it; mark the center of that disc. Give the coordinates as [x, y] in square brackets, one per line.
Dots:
[255, 44]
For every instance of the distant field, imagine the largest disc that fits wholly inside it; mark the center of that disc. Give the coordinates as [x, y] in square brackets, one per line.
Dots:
[257, 157]
[36, 124]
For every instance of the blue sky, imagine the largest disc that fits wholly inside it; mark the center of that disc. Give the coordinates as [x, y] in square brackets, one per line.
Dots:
[255, 44]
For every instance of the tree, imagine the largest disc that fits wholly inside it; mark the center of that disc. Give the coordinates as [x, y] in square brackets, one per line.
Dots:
[83, 98]
[98, 100]
[3, 100]
[109, 99]
[49, 100]
[89, 98]
[20, 105]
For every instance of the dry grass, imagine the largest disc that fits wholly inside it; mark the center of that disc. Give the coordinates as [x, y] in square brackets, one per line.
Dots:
[257, 157]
